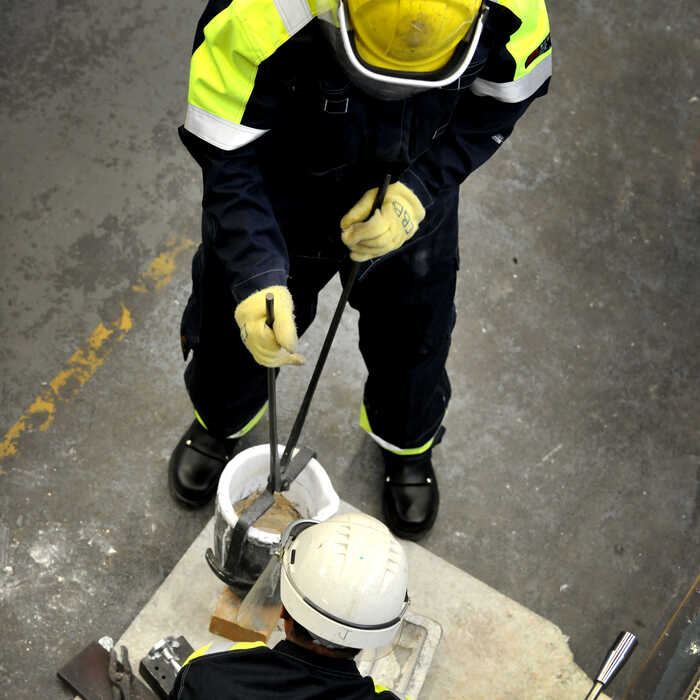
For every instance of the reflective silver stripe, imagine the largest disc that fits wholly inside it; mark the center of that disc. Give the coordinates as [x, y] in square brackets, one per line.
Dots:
[294, 14]
[216, 647]
[364, 424]
[401, 450]
[516, 90]
[386, 445]
[219, 131]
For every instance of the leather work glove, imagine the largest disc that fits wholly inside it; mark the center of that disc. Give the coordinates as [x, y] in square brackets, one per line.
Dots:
[271, 347]
[388, 229]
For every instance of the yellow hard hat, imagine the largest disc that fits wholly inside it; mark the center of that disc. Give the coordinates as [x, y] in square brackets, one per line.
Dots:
[410, 36]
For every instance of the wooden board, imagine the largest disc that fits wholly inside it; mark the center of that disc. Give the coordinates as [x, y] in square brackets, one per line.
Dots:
[224, 621]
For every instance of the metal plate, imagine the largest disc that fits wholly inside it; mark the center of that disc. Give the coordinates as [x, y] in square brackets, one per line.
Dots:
[86, 674]
[158, 672]
[405, 668]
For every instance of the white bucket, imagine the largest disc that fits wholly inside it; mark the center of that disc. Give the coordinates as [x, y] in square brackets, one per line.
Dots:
[311, 493]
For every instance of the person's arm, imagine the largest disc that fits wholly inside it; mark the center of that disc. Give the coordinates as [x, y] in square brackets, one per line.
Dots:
[237, 218]
[517, 71]
[233, 99]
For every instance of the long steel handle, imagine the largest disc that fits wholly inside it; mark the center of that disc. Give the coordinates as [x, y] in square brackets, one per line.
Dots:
[352, 274]
[615, 659]
[275, 482]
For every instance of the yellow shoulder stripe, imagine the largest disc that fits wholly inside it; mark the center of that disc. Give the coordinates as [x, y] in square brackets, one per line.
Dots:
[214, 647]
[241, 646]
[197, 653]
[224, 66]
[378, 688]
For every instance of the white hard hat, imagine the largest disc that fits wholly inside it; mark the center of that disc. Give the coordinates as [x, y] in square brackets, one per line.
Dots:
[345, 580]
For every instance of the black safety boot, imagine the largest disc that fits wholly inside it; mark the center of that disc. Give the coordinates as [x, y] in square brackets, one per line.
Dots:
[196, 465]
[411, 498]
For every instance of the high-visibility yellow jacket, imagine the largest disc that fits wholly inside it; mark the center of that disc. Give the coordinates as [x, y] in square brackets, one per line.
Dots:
[280, 131]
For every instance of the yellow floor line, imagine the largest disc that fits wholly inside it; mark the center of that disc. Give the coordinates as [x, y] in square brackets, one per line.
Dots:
[86, 360]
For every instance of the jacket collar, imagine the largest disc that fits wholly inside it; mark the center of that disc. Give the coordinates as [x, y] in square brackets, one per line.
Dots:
[326, 662]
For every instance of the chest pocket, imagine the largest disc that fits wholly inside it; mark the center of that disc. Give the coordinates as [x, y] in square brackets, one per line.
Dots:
[334, 129]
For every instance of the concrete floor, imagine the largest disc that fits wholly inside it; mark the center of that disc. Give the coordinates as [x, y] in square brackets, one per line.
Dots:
[570, 470]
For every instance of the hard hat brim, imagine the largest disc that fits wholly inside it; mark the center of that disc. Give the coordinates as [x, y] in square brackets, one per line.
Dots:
[331, 629]
[434, 79]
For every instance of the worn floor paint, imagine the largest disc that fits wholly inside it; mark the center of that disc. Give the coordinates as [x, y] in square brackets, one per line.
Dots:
[87, 360]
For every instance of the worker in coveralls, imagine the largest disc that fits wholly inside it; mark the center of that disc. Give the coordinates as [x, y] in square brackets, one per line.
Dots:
[297, 110]
[343, 586]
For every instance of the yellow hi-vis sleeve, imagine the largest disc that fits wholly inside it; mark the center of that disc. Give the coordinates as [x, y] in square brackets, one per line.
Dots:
[532, 34]
[224, 66]
[530, 46]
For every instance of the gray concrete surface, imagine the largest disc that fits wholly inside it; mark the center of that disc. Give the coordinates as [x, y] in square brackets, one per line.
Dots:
[488, 646]
[570, 469]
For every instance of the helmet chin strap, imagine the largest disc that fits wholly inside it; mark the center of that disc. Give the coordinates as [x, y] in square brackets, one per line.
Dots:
[409, 82]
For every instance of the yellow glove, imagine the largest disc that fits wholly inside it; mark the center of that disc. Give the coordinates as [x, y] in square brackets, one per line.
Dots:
[388, 229]
[271, 347]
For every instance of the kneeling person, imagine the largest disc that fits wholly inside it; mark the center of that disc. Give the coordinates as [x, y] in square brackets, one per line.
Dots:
[343, 584]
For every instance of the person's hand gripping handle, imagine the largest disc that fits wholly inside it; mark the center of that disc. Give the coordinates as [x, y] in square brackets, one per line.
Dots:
[271, 346]
[371, 230]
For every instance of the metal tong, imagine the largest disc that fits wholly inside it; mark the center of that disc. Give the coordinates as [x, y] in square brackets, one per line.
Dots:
[120, 674]
[335, 321]
[275, 474]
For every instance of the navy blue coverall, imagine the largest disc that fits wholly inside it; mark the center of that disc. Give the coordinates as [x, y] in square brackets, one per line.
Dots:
[271, 212]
